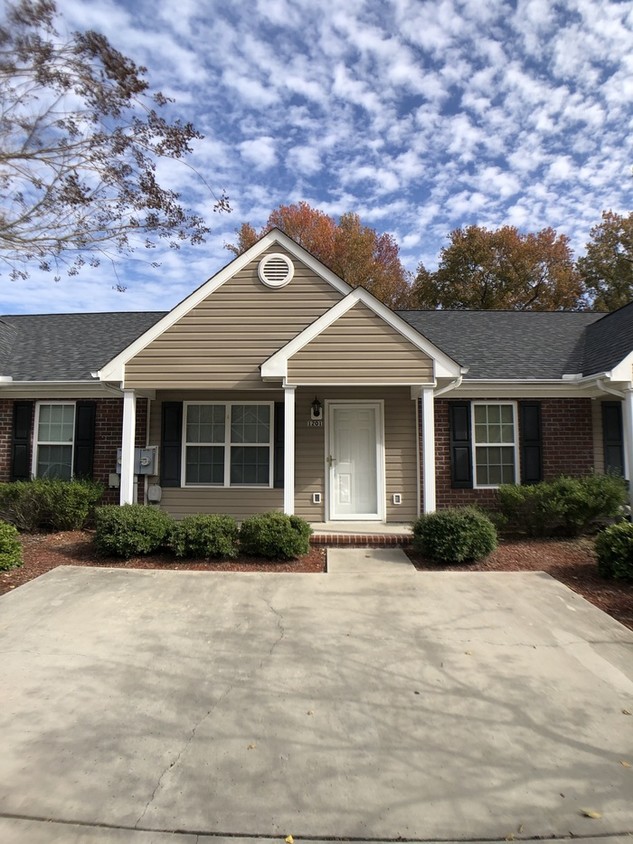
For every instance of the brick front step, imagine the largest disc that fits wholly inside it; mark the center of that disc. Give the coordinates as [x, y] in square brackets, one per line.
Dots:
[361, 540]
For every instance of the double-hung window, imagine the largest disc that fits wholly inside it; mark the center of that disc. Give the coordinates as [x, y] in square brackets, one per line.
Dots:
[495, 443]
[228, 444]
[54, 440]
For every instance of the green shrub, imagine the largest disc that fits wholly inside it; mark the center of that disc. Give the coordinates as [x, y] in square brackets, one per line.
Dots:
[130, 530]
[204, 536]
[49, 503]
[564, 506]
[275, 535]
[456, 535]
[10, 547]
[614, 547]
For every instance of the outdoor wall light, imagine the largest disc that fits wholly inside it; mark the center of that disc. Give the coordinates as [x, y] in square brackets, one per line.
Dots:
[317, 410]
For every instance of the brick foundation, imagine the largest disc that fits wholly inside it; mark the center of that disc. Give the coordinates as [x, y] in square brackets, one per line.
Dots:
[567, 448]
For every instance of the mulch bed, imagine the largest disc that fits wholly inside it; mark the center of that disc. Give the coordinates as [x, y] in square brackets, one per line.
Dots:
[45, 551]
[570, 561]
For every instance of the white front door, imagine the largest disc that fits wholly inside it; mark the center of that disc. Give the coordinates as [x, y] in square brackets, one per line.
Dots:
[355, 458]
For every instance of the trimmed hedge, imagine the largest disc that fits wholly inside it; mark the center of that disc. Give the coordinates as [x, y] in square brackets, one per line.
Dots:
[562, 507]
[130, 530]
[10, 547]
[275, 536]
[614, 547]
[456, 535]
[49, 503]
[204, 536]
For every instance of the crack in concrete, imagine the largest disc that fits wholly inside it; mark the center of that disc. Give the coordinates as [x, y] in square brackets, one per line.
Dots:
[197, 725]
[183, 750]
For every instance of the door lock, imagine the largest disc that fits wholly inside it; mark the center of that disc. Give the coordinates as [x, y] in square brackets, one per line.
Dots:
[331, 460]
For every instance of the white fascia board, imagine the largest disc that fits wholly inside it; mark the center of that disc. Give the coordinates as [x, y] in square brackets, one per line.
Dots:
[277, 365]
[624, 370]
[54, 389]
[114, 370]
[529, 388]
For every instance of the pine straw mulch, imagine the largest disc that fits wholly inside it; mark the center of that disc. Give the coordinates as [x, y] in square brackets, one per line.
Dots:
[570, 561]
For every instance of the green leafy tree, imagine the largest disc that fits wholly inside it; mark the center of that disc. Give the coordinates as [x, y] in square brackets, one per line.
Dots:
[607, 266]
[80, 137]
[485, 269]
[355, 252]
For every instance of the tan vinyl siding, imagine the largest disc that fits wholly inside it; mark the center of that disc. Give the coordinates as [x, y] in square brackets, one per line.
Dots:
[221, 343]
[400, 456]
[360, 348]
[598, 443]
[239, 502]
[400, 450]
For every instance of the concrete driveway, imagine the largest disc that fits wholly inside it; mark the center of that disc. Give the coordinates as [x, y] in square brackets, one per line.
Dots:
[150, 706]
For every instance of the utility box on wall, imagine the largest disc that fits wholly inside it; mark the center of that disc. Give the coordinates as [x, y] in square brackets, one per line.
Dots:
[145, 460]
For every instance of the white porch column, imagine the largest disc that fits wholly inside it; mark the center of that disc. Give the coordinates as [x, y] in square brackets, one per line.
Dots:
[627, 425]
[126, 493]
[428, 450]
[289, 450]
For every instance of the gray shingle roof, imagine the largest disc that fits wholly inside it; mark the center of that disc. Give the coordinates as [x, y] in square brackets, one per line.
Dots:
[608, 341]
[493, 344]
[66, 347]
[508, 344]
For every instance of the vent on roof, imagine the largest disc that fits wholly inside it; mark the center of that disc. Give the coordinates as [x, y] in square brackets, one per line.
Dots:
[275, 270]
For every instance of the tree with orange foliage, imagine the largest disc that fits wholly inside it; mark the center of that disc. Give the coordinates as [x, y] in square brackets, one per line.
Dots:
[356, 253]
[502, 269]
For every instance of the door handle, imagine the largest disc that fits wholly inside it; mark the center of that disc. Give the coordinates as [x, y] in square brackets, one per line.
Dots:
[331, 460]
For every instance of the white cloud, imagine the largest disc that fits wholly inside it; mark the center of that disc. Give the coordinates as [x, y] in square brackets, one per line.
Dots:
[260, 152]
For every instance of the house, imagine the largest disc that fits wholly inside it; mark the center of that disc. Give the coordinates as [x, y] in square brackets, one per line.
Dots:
[275, 385]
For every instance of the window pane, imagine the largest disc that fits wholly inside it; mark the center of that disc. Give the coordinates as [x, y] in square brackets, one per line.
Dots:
[205, 423]
[54, 461]
[480, 414]
[56, 423]
[494, 465]
[205, 465]
[250, 423]
[250, 465]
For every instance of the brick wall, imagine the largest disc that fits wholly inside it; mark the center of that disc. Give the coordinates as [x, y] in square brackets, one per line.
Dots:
[567, 448]
[108, 431]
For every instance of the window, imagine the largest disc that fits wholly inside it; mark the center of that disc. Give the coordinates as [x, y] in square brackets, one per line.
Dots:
[228, 444]
[495, 445]
[55, 432]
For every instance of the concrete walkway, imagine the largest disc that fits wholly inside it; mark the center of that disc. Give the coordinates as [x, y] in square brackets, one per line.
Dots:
[153, 706]
[368, 561]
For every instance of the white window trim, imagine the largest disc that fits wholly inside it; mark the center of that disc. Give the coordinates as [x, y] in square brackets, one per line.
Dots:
[227, 445]
[36, 439]
[515, 444]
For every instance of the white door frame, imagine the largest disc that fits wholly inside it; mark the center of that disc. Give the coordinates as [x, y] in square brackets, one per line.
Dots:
[378, 405]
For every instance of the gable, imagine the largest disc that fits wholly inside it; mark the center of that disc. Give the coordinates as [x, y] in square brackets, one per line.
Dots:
[360, 348]
[221, 341]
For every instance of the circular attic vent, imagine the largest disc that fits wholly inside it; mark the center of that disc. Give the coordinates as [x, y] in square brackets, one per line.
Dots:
[275, 270]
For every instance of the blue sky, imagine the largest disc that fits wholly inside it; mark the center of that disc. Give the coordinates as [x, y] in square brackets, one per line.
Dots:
[420, 116]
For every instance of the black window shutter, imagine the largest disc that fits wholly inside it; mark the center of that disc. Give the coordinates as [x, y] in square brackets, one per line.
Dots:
[612, 437]
[85, 419]
[21, 441]
[278, 473]
[531, 442]
[461, 445]
[171, 443]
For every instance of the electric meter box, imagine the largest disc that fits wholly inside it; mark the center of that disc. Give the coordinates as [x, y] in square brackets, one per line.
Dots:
[145, 460]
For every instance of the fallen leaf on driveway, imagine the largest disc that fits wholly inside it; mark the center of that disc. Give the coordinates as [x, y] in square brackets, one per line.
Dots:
[589, 813]
[625, 764]
[625, 712]
[289, 839]
[251, 747]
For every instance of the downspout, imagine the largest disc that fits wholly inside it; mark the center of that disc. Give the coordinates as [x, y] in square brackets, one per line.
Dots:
[603, 387]
[452, 386]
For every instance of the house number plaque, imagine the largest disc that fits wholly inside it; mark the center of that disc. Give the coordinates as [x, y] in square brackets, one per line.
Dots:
[315, 423]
